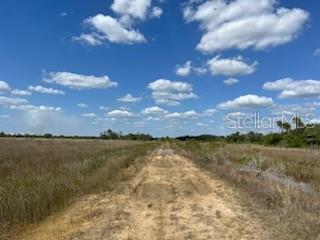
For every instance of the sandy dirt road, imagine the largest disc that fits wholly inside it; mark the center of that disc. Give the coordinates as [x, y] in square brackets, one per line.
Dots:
[169, 199]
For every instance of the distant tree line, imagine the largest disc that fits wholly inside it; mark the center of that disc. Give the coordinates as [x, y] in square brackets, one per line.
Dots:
[46, 135]
[109, 134]
[295, 134]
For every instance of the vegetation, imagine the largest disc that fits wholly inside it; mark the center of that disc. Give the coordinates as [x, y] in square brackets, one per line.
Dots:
[286, 181]
[294, 135]
[109, 134]
[39, 176]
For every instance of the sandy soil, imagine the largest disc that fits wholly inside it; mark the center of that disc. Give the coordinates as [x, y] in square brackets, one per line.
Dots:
[169, 199]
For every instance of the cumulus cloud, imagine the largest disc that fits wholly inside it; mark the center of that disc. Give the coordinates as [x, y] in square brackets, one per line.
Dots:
[230, 66]
[109, 29]
[9, 101]
[184, 70]
[18, 92]
[225, 23]
[294, 88]
[4, 86]
[246, 102]
[132, 8]
[118, 113]
[171, 93]
[294, 109]
[231, 81]
[41, 108]
[91, 39]
[183, 115]
[154, 111]
[156, 12]
[78, 81]
[120, 29]
[209, 112]
[129, 99]
[44, 90]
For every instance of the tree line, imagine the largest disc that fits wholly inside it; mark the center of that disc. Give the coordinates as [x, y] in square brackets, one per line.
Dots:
[295, 134]
[109, 134]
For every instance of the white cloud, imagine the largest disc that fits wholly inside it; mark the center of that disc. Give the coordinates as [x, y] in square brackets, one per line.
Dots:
[83, 105]
[9, 101]
[164, 85]
[184, 70]
[209, 112]
[171, 93]
[200, 70]
[239, 114]
[156, 12]
[294, 88]
[90, 39]
[183, 115]
[89, 115]
[106, 28]
[40, 108]
[230, 66]
[154, 111]
[110, 29]
[293, 109]
[129, 99]
[44, 90]
[225, 23]
[78, 81]
[4, 86]
[246, 102]
[231, 81]
[132, 8]
[18, 92]
[120, 114]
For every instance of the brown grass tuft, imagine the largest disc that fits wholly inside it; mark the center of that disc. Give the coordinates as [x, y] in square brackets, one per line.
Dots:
[285, 181]
[38, 176]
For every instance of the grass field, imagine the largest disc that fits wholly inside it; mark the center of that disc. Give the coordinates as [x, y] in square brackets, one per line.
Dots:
[285, 181]
[39, 176]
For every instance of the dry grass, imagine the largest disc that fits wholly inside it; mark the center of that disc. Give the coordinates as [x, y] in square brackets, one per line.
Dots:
[285, 181]
[38, 176]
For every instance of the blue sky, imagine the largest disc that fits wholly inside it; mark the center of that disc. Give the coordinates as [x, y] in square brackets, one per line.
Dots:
[160, 67]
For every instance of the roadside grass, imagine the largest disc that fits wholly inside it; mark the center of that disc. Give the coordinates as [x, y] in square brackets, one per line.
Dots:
[38, 177]
[285, 181]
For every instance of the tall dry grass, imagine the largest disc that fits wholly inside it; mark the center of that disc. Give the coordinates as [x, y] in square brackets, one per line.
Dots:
[38, 176]
[283, 181]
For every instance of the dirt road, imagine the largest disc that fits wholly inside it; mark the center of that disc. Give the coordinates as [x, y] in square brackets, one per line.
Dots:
[169, 199]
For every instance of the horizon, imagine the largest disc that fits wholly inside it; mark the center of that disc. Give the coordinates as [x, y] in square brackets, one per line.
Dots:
[157, 67]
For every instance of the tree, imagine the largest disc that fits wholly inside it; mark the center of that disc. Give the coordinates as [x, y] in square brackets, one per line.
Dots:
[298, 122]
[286, 126]
[280, 125]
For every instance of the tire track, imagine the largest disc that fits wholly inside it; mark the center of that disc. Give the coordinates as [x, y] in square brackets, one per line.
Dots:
[169, 199]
